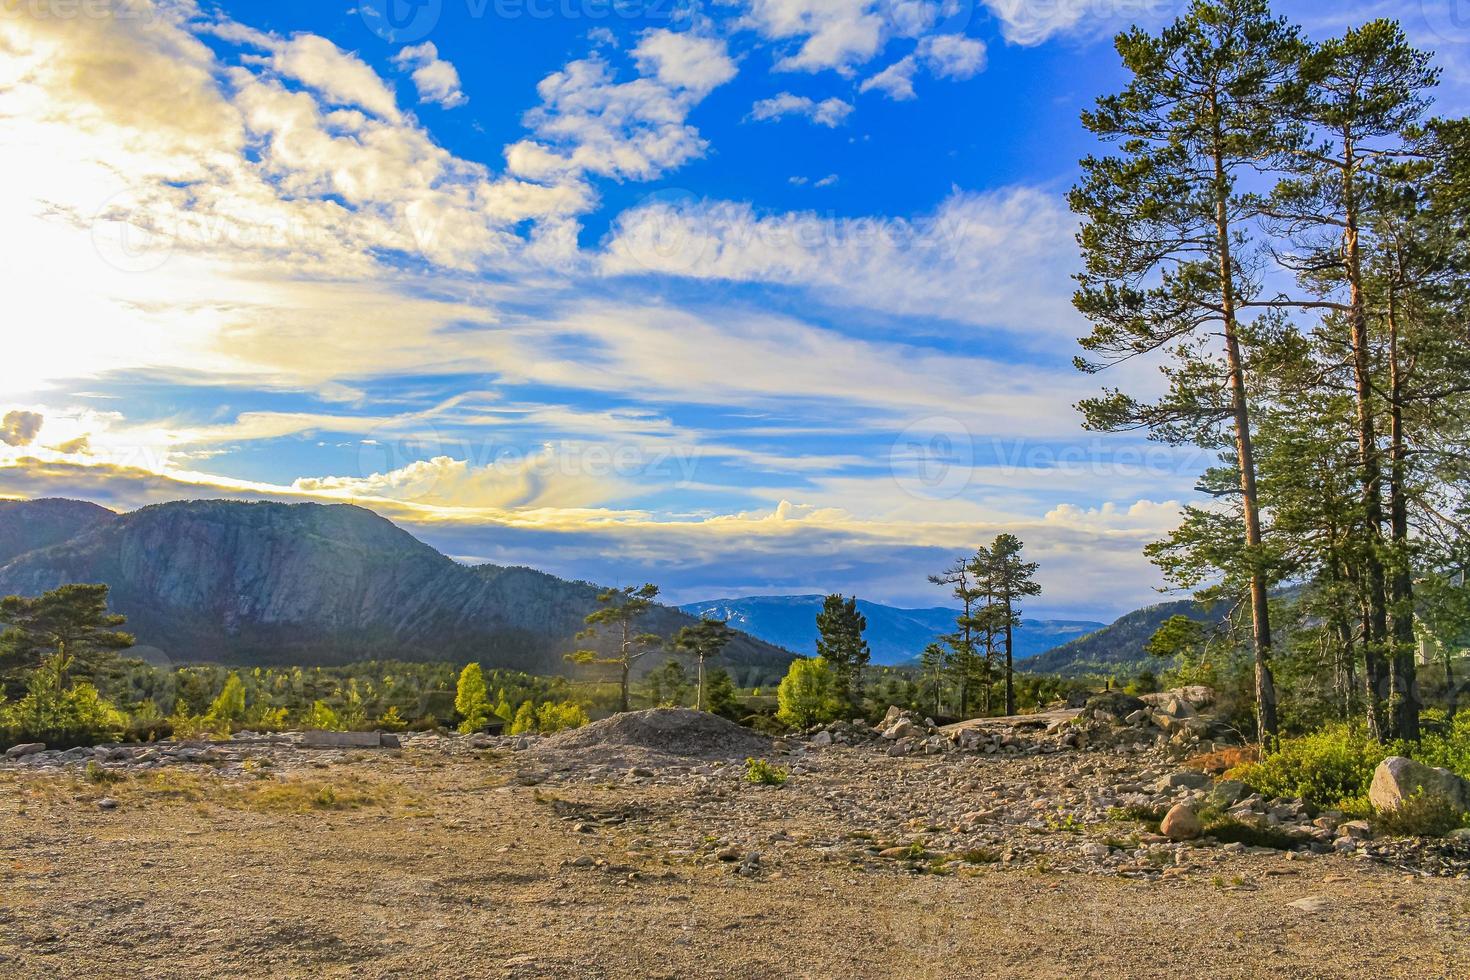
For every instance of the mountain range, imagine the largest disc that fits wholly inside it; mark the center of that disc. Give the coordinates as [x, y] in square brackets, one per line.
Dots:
[312, 584]
[1117, 649]
[894, 635]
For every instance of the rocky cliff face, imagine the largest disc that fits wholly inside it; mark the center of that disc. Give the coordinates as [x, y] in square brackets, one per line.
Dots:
[256, 583]
[27, 525]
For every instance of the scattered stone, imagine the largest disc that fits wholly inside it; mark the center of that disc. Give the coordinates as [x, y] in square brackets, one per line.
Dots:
[24, 749]
[107, 803]
[348, 740]
[1312, 903]
[1180, 823]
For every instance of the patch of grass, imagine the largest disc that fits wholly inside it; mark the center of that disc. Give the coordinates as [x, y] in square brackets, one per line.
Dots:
[97, 773]
[980, 855]
[762, 773]
[1137, 813]
[1420, 816]
[1232, 830]
[1063, 822]
[305, 795]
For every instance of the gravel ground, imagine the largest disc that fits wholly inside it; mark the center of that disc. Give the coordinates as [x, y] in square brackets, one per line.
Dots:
[445, 860]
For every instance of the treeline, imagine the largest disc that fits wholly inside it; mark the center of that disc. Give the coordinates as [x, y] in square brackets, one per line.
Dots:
[1281, 225]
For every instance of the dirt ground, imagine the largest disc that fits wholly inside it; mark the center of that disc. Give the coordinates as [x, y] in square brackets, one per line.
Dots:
[413, 865]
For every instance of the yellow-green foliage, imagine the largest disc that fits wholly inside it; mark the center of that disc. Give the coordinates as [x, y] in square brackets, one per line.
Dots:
[1328, 769]
[762, 773]
[525, 719]
[228, 708]
[1444, 743]
[560, 715]
[391, 721]
[1420, 816]
[322, 717]
[808, 694]
[51, 706]
[471, 699]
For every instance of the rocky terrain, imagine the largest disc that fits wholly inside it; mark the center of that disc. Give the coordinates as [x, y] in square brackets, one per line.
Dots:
[305, 584]
[638, 847]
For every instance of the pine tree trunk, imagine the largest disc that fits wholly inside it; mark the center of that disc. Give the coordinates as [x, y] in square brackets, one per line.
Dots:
[1010, 684]
[1375, 640]
[1405, 700]
[1246, 462]
[699, 687]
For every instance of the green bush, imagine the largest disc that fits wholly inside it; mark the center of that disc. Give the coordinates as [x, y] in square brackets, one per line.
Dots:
[1326, 769]
[762, 773]
[1444, 743]
[1419, 816]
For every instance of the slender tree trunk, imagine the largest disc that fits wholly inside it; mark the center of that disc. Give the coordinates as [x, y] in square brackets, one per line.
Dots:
[1246, 462]
[626, 663]
[1405, 702]
[699, 686]
[1376, 636]
[1010, 683]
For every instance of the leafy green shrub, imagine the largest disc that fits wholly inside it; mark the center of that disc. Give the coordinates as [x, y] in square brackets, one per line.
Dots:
[58, 713]
[1326, 768]
[1419, 816]
[808, 693]
[762, 773]
[1444, 743]
[556, 716]
[525, 720]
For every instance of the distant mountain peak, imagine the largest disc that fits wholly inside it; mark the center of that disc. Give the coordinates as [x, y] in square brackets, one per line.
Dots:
[896, 635]
[305, 583]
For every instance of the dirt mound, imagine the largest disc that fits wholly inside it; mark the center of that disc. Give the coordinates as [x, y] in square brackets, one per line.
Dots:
[662, 731]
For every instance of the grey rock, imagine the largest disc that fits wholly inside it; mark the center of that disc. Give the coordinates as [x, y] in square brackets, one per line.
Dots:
[24, 749]
[1397, 778]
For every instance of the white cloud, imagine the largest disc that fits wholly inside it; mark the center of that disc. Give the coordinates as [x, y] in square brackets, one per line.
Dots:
[953, 55]
[1002, 258]
[590, 123]
[697, 65]
[829, 112]
[341, 78]
[1028, 22]
[826, 181]
[833, 33]
[436, 79]
[896, 81]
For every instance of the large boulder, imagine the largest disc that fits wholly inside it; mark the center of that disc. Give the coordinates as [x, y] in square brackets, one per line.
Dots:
[1181, 823]
[1397, 778]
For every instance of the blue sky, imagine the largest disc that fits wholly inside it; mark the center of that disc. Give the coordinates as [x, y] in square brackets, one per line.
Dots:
[755, 296]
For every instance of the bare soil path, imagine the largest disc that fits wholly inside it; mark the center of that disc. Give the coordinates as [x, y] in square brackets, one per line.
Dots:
[413, 864]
